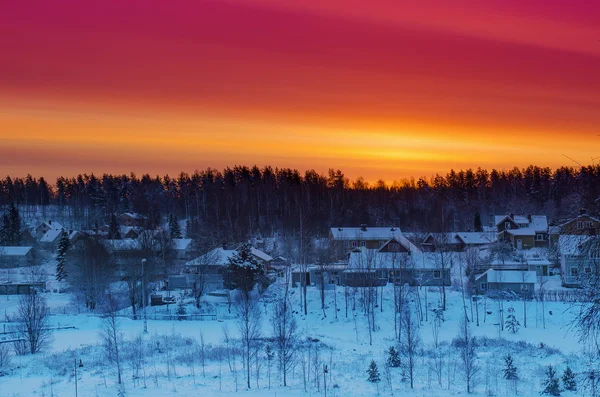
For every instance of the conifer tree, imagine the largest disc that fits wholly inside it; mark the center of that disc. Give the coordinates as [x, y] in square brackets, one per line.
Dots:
[10, 231]
[174, 229]
[510, 372]
[393, 360]
[114, 230]
[511, 323]
[373, 372]
[568, 379]
[61, 256]
[243, 270]
[551, 385]
[477, 225]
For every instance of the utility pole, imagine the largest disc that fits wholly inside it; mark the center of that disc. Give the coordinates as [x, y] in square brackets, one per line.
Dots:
[144, 297]
[325, 372]
[75, 362]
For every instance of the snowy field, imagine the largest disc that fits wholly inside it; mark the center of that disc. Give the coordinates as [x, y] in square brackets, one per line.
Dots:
[170, 365]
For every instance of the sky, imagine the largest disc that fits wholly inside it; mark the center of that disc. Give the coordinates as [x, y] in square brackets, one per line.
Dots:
[384, 89]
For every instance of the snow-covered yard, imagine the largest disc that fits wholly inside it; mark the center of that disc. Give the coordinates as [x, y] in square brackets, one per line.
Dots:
[171, 363]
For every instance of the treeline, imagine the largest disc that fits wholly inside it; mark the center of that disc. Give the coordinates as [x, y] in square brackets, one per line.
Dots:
[241, 201]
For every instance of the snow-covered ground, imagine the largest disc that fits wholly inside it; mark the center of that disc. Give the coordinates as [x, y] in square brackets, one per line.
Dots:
[341, 343]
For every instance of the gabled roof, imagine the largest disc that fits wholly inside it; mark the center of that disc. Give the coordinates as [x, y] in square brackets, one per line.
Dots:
[51, 235]
[52, 225]
[476, 238]
[509, 276]
[133, 215]
[539, 223]
[220, 256]
[403, 241]
[14, 251]
[571, 244]
[369, 233]
[580, 217]
[181, 243]
[442, 238]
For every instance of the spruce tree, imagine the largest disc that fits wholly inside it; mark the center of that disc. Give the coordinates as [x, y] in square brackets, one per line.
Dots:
[174, 229]
[393, 359]
[511, 323]
[478, 227]
[551, 385]
[373, 373]
[61, 256]
[568, 379]
[243, 270]
[510, 371]
[10, 231]
[114, 230]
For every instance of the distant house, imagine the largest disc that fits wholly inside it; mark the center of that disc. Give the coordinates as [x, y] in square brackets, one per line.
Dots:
[579, 258]
[45, 227]
[132, 219]
[52, 237]
[344, 239]
[130, 231]
[446, 241]
[523, 231]
[207, 268]
[16, 256]
[518, 282]
[583, 224]
[183, 247]
[21, 288]
[379, 267]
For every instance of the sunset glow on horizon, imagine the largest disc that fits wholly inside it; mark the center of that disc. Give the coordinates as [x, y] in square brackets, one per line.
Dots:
[386, 89]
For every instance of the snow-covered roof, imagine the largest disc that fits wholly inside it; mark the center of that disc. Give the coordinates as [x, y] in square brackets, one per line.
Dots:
[476, 238]
[181, 244]
[443, 238]
[52, 225]
[133, 215]
[50, 236]
[538, 223]
[126, 244]
[570, 244]
[366, 233]
[509, 276]
[14, 251]
[585, 217]
[220, 256]
[524, 231]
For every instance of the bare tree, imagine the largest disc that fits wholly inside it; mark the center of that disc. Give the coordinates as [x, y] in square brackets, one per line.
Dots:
[200, 277]
[249, 316]
[410, 344]
[4, 354]
[111, 334]
[32, 327]
[466, 345]
[285, 333]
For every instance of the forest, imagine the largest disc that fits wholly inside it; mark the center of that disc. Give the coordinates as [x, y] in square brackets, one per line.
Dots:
[242, 201]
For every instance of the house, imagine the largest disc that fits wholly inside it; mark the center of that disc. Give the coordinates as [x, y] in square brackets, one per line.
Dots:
[45, 227]
[207, 268]
[184, 248]
[476, 239]
[16, 256]
[520, 282]
[129, 231]
[522, 231]
[344, 239]
[579, 258]
[582, 224]
[378, 267]
[457, 241]
[21, 288]
[51, 238]
[534, 259]
[132, 219]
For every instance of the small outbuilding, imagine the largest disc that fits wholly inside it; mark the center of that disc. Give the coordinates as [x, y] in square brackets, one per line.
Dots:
[521, 282]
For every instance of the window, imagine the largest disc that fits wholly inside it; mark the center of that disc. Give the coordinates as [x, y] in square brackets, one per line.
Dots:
[354, 244]
[539, 237]
[588, 270]
[588, 224]
[595, 253]
[574, 272]
[579, 224]
[483, 286]
[524, 287]
[507, 225]
[347, 244]
[437, 274]
[363, 243]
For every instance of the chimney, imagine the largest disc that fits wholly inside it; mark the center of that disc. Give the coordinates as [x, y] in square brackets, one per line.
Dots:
[50, 222]
[529, 217]
[582, 211]
[363, 227]
[224, 245]
[511, 216]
